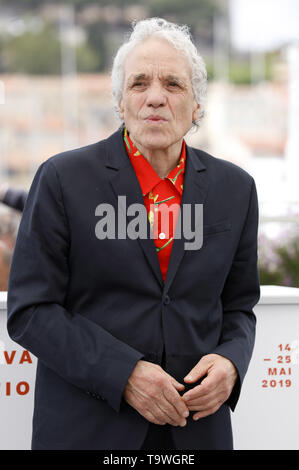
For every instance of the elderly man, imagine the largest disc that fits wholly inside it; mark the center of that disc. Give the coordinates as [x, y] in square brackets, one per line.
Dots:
[142, 341]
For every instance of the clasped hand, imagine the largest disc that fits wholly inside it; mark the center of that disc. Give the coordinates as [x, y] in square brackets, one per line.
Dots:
[155, 394]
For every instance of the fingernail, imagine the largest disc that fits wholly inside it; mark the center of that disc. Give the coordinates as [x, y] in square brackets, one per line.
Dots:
[186, 414]
[188, 377]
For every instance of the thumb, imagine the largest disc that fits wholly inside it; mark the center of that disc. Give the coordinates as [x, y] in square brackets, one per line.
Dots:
[197, 372]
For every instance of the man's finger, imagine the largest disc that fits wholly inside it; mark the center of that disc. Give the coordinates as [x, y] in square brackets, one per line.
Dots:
[204, 403]
[203, 407]
[176, 384]
[176, 420]
[197, 372]
[177, 403]
[207, 386]
[203, 414]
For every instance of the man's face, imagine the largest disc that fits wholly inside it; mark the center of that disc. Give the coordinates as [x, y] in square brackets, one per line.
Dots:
[157, 104]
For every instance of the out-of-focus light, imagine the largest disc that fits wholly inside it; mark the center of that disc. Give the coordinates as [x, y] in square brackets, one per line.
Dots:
[263, 24]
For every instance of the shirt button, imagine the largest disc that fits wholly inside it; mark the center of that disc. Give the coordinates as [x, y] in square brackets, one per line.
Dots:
[166, 300]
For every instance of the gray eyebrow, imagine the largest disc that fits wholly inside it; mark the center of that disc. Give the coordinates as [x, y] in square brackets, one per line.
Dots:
[142, 76]
[138, 76]
[175, 78]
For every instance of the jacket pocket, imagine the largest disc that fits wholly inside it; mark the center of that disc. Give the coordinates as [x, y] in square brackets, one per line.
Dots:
[221, 226]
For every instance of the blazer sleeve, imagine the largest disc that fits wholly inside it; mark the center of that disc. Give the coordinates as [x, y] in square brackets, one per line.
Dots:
[77, 349]
[240, 294]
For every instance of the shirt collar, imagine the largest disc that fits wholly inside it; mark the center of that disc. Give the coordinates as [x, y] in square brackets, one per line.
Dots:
[145, 173]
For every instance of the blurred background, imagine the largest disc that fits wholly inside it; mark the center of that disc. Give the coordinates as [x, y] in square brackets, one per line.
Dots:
[55, 60]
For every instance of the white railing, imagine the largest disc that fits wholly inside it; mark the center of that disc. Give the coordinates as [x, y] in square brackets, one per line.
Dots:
[266, 416]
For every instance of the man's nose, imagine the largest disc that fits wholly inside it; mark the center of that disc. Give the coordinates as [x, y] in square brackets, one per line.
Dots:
[155, 96]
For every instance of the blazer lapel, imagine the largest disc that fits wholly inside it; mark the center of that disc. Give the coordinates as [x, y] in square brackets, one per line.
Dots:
[194, 192]
[125, 183]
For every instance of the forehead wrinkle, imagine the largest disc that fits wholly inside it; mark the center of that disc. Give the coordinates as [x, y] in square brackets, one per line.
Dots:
[150, 61]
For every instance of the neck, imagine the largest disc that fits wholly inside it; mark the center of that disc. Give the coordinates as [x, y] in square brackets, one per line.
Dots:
[161, 160]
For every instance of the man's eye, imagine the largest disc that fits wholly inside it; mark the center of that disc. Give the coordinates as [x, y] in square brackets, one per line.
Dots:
[138, 84]
[173, 84]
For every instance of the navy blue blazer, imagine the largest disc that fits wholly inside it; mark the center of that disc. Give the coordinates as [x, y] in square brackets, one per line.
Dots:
[89, 309]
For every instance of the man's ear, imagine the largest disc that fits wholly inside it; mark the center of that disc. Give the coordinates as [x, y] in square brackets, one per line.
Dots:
[195, 113]
[121, 108]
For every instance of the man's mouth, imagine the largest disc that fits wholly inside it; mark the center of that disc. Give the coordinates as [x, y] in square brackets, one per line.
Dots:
[154, 118]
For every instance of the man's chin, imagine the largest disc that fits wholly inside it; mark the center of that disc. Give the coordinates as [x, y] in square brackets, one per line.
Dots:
[155, 140]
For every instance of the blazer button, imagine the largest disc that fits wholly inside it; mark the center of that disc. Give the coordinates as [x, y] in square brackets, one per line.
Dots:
[166, 300]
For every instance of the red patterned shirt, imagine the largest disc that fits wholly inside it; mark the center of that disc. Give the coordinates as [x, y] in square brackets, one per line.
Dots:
[155, 191]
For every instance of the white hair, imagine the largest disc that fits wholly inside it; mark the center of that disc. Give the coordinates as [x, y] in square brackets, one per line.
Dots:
[179, 37]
